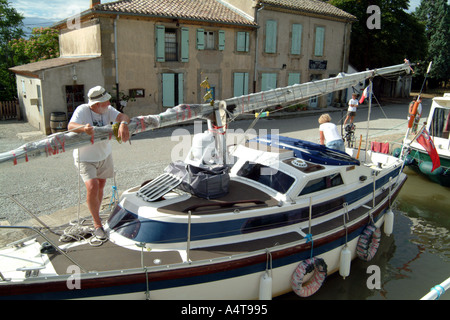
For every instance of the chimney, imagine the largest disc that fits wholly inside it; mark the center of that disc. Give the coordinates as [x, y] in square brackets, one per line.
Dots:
[95, 2]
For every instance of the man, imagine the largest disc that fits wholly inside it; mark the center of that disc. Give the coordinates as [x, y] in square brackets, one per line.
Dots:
[95, 161]
[352, 105]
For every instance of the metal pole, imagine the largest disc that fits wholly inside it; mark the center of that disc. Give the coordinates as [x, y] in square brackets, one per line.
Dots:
[188, 244]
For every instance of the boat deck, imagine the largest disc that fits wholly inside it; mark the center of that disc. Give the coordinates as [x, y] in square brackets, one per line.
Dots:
[240, 196]
[110, 256]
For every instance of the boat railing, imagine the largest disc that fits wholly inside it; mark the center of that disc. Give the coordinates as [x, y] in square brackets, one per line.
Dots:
[438, 290]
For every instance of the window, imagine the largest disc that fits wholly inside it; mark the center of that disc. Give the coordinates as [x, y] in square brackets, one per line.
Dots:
[172, 84]
[268, 81]
[207, 40]
[440, 125]
[270, 177]
[271, 36]
[240, 84]
[172, 44]
[319, 43]
[322, 183]
[296, 41]
[242, 41]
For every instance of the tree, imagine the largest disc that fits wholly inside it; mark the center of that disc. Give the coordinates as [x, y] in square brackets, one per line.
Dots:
[435, 15]
[43, 44]
[398, 36]
[10, 28]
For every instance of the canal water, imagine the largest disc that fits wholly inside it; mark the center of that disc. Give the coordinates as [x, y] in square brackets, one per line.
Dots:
[412, 260]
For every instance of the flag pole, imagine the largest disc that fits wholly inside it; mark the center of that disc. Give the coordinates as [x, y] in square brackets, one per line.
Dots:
[406, 145]
[369, 92]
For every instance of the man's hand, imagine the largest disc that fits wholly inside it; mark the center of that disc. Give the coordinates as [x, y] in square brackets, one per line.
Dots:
[124, 133]
[88, 129]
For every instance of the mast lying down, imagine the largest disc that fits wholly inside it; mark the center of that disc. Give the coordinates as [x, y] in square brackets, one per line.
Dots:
[60, 142]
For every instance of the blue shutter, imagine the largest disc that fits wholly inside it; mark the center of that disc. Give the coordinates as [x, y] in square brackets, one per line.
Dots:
[168, 98]
[221, 40]
[200, 39]
[296, 45]
[320, 38]
[160, 43]
[271, 36]
[184, 44]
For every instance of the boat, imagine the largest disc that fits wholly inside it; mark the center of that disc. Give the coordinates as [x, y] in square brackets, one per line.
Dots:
[249, 221]
[438, 126]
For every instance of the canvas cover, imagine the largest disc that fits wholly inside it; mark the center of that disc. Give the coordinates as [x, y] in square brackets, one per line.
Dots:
[205, 182]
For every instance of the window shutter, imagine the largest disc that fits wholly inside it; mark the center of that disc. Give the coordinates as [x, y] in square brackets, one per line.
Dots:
[242, 41]
[180, 88]
[240, 84]
[296, 39]
[200, 39]
[320, 37]
[184, 44]
[221, 40]
[293, 78]
[268, 81]
[160, 44]
[271, 36]
[168, 89]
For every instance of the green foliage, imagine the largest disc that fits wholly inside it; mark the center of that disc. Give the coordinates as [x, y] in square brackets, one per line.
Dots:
[435, 16]
[400, 36]
[10, 28]
[42, 45]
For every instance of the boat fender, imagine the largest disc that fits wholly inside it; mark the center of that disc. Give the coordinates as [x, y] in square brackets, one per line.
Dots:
[412, 113]
[319, 269]
[388, 222]
[368, 242]
[265, 287]
[345, 262]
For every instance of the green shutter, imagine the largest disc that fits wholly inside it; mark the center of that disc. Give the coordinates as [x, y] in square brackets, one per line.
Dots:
[271, 36]
[268, 81]
[221, 40]
[242, 41]
[320, 38]
[184, 44]
[240, 84]
[180, 89]
[296, 39]
[293, 78]
[200, 39]
[160, 43]
[168, 85]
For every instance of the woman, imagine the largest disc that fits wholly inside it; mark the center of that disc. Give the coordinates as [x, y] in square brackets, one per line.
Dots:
[330, 134]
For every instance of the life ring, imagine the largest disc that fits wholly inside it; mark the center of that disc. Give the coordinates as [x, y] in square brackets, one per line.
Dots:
[412, 113]
[368, 242]
[319, 269]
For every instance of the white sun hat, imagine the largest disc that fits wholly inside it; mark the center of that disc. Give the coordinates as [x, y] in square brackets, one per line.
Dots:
[98, 94]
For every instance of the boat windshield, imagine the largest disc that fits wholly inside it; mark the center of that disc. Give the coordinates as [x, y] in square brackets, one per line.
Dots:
[440, 125]
[268, 176]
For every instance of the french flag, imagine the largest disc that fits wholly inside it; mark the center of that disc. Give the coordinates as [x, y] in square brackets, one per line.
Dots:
[365, 93]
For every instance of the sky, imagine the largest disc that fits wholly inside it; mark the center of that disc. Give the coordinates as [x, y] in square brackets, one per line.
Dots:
[57, 10]
[54, 10]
